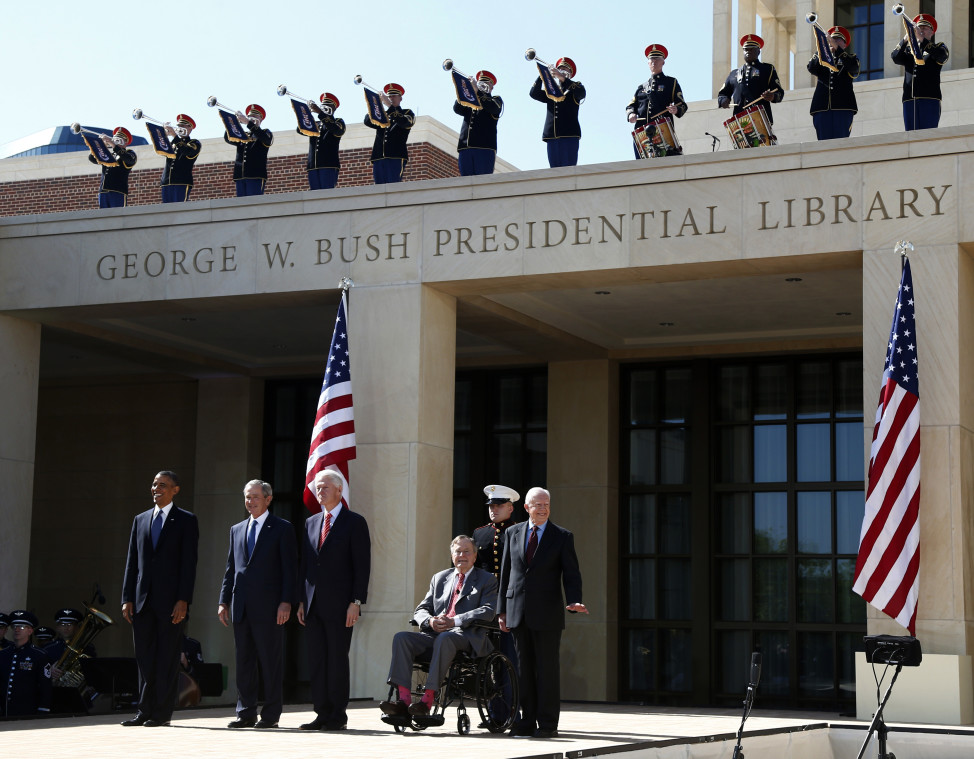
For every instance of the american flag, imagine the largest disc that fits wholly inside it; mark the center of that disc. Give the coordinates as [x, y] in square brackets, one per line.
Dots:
[887, 570]
[333, 436]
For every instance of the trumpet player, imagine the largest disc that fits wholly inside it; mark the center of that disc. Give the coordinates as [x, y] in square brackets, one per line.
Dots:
[755, 80]
[250, 165]
[658, 95]
[323, 163]
[562, 132]
[477, 148]
[114, 189]
[833, 102]
[389, 154]
[921, 83]
[177, 176]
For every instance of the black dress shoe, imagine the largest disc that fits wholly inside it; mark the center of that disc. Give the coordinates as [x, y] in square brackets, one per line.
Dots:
[521, 731]
[155, 723]
[265, 724]
[242, 722]
[316, 724]
[137, 721]
[542, 733]
[394, 708]
[419, 709]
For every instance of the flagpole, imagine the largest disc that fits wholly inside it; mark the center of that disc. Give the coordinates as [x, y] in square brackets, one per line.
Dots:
[903, 247]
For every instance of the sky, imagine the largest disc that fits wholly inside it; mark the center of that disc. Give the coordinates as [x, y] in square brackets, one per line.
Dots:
[65, 62]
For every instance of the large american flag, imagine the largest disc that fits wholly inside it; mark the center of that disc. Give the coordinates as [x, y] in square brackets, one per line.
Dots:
[333, 436]
[887, 570]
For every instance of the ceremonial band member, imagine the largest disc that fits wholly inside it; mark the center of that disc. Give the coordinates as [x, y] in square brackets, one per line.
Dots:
[562, 132]
[389, 154]
[834, 102]
[477, 148]
[660, 94]
[177, 176]
[25, 672]
[755, 80]
[921, 83]
[323, 161]
[4, 623]
[250, 165]
[115, 179]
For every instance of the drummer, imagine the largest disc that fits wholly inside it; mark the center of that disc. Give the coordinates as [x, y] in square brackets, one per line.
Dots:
[754, 81]
[659, 96]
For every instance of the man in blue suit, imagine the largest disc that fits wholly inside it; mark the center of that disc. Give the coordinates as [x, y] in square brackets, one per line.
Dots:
[336, 559]
[539, 558]
[157, 589]
[259, 587]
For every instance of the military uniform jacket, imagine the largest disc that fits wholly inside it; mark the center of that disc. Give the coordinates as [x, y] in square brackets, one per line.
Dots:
[116, 178]
[251, 160]
[746, 84]
[25, 676]
[653, 96]
[833, 90]
[562, 118]
[323, 149]
[479, 129]
[390, 142]
[921, 82]
[179, 170]
[489, 540]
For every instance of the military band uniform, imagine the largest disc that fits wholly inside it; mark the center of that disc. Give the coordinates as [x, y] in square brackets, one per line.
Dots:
[477, 147]
[25, 673]
[389, 154]
[250, 164]
[115, 179]
[921, 84]
[323, 163]
[177, 176]
[562, 132]
[652, 97]
[747, 83]
[834, 102]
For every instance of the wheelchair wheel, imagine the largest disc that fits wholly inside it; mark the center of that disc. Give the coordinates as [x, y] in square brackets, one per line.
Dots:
[497, 692]
[463, 724]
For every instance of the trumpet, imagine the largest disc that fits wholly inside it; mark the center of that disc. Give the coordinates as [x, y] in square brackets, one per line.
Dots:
[448, 66]
[811, 18]
[282, 90]
[78, 129]
[531, 55]
[138, 114]
[212, 101]
[898, 9]
[359, 80]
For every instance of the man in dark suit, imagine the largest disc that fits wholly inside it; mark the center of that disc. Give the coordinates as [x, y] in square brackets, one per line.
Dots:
[157, 589]
[259, 587]
[336, 558]
[539, 558]
[457, 598]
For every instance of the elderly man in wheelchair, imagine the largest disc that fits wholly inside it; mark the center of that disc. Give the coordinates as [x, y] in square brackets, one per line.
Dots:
[455, 634]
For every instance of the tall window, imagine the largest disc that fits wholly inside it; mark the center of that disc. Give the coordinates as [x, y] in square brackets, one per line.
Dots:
[865, 19]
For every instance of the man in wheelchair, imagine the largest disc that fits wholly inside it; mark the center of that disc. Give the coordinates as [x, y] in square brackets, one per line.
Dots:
[458, 599]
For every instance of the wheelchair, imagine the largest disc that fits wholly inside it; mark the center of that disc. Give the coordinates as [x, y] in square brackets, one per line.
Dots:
[489, 681]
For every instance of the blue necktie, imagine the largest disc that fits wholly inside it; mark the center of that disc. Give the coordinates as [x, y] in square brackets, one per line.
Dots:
[251, 538]
[156, 529]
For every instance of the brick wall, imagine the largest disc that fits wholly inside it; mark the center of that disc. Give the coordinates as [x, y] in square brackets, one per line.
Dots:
[211, 180]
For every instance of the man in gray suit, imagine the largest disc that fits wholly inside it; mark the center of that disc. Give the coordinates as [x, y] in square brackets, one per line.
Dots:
[457, 598]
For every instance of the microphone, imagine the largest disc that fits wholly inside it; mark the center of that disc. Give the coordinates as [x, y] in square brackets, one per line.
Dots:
[715, 143]
[755, 670]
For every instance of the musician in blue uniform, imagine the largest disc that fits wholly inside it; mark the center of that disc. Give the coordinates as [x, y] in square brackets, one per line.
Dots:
[25, 672]
[177, 176]
[562, 132]
[389, 154]
[755, 80]
[4, 624]
[834, 102]
[477, 148]
[921, 83]
[658, 96]
[43, 636]
[115, 179]
[68, 692]
[323, 163]
[250, 165]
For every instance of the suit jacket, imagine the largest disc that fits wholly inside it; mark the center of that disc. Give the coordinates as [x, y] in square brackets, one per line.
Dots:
[339, 573]
[531, 595]
[164, 574]
[256, 587]
[477, 603]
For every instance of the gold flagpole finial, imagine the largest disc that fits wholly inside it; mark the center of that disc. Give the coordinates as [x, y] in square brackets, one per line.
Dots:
[904, 248]
[345, 283]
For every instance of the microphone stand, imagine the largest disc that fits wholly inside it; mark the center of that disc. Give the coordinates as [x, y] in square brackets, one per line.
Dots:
[878, 725]
[714, 142]
[752, 686]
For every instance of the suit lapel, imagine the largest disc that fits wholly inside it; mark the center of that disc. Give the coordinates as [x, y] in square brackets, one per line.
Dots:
[314, 529]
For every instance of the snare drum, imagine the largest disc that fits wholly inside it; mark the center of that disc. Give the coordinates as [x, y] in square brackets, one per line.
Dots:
[751, 128]
[657, 138]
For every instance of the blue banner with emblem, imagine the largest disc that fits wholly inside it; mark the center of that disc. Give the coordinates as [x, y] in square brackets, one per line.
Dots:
[160, 140]
[99, 150]
[235, 132]
[551, 87]
[822, 47]
[377, 114]
[466, 91]
[911, 33]
[306, 120]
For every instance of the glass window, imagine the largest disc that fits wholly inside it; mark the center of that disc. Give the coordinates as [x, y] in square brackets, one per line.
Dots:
[509, 403]
[642, 457]
[770, 522]
[849, 452]
[864, 19]
[508, 453]
[734, 460]
[771, 392]
[850, 608]
[642, 588]
[674, 456]
[771, 590]
[815, 663]
[642, 659]
[461, 462]
[848, 384]
[676, 398]
[814, 452]
[815, 522]
[734, 660]
[775, 661]
[815, 590]
[676, 662]
[732, 405]
[850, 507]
[674, 525]
[642, 397]
[735, 590]
[674, 588]
[814, 390]
[770, 453]
[642, 523]
[734, 523]
[537, 415]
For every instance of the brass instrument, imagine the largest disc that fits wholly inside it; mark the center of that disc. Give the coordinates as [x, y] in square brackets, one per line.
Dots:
[212, 101]
[138, 114]
[531, 55]
[448, 66]
[69, 663]
[910, 34]
[359, 80]
[78, 129]
[899, 10]
[282, 90]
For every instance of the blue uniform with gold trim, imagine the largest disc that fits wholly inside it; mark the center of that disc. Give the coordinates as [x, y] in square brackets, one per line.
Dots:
[745, 84]
[834, 101]
[921, 84]
[562, 131]
[389, 152]
[25, 675]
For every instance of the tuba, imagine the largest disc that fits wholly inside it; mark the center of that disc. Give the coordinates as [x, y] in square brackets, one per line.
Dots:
[69, 663]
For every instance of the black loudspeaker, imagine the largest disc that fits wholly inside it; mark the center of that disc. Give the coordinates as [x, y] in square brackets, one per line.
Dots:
[893, 649]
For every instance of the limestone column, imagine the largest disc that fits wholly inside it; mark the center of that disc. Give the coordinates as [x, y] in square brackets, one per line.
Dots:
[20, 346]
[953, 19]
[583, 434]
[722, 44]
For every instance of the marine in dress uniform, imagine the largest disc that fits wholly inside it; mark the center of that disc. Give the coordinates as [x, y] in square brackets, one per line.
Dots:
[562, 132]
[752, 81]
[115, 179]
[834, 102]
[921, 84]
[389, 155]
[659, 94]
[250, 165]
[25, 671]
[177, 176]
[477, 148]
[323, 164]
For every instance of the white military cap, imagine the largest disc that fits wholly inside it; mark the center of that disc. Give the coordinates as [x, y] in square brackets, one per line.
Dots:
[500, 494]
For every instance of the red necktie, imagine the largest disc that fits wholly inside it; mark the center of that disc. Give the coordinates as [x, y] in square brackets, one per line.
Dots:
[325, 527]
[450, 612]
[532, 545]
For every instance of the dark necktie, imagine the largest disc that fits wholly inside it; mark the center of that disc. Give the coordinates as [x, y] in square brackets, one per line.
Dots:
[532, 545]
[251, 538]
[452, 610]
[156, 529]
[325, 527]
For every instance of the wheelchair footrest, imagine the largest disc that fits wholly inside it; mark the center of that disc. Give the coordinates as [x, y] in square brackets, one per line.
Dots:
[396, 720]
[433, 720]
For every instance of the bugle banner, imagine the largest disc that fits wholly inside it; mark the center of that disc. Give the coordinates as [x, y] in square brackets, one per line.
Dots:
[551, 87]
[911, 34]
[377, 114]
[822, 47]
[306, 120]
[466, 92]
[160, 140]
[102, 154]
[235, 132]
